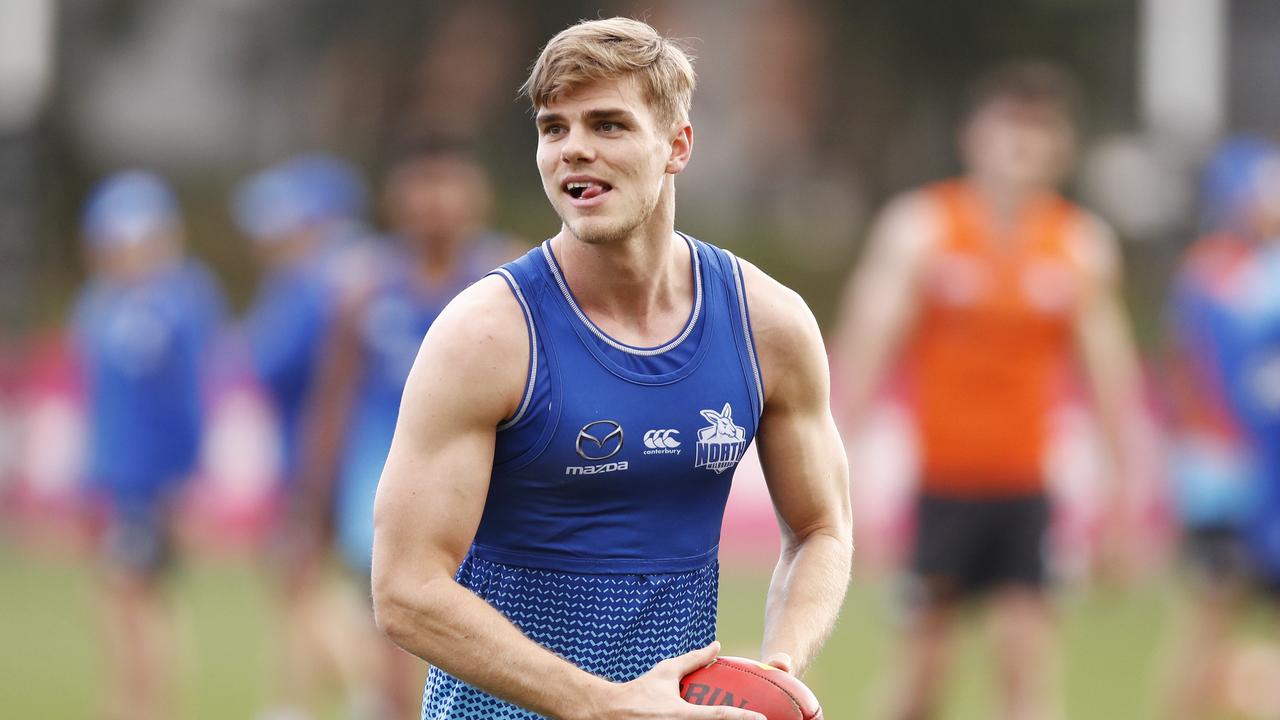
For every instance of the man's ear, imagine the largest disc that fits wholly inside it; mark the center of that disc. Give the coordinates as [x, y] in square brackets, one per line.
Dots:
[681, 148]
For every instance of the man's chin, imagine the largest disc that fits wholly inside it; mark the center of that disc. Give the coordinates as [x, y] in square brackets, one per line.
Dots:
[594, 232]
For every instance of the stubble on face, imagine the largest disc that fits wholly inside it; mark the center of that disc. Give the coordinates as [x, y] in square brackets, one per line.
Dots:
[623, 228]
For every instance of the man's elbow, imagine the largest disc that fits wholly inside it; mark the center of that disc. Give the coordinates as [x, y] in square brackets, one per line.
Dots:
[403, 606]
[391, 609]
[834, 532]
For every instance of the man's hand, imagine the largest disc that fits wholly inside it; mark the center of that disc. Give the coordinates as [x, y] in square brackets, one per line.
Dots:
[782, 661]
[656, 694]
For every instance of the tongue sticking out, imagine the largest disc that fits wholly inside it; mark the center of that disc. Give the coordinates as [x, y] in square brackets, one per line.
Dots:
[593, 191]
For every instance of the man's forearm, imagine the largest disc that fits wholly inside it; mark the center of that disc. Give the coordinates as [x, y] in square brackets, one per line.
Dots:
[805, 596]
[458, 632]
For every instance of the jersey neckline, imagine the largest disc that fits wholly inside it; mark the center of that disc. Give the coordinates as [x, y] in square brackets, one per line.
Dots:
[553, 264]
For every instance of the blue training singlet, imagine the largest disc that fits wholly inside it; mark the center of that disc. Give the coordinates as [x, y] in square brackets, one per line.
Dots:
[600, 532]
[1257, 387]
[144, 347]
[392, 323]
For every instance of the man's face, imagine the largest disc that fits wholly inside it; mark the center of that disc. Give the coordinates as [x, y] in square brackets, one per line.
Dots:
[137, 259]
[603, 158]
[437, 199]
[1020, 143]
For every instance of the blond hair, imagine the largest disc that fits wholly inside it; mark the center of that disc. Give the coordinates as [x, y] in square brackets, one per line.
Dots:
[613, 49]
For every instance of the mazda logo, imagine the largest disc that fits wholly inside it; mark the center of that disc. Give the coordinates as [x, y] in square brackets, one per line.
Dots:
[599, 440]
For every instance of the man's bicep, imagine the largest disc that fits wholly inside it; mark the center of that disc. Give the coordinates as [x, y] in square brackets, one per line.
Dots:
[805, 469]
[433, 487]
[800, 449]
[1102, 328]
[466, 379]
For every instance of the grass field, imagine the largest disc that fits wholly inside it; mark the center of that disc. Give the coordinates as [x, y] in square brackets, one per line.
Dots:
[49, 667]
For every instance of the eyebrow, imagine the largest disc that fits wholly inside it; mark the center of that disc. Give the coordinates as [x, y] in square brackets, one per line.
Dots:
[598, 114]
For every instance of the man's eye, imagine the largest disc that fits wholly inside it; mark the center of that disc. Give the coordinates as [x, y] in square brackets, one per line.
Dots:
[552, 130]
[610, 126]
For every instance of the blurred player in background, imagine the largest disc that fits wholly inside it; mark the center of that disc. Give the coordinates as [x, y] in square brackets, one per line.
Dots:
[548, 519]
[304, 216]
[142, 328]
[987, 285]
[1225, 384]
[437, 201]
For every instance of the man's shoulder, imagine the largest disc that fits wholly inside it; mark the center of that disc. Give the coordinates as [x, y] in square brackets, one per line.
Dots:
[1093, 244]
[486, 315]
[771, 302]
[476, 353]
[787, 335]
[914, 221]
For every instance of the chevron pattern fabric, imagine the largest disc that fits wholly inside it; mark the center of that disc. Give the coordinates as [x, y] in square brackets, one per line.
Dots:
[615, 626]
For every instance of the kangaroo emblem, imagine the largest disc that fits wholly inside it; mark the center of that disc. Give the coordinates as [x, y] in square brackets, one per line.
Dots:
[721, 445]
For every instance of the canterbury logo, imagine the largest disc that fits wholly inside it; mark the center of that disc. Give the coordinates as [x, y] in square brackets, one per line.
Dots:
[661, 439]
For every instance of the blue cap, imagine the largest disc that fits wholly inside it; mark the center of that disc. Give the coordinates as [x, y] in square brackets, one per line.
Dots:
[1229, 183]
[128, 207]
[291, 195]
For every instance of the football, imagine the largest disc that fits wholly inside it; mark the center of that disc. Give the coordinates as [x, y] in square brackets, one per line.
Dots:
[752, 685]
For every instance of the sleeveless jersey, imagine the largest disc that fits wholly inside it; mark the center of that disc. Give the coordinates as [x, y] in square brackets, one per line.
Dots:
[144, 346]
[991, 344]
[291, 317]
[1213, 465]
[392, 323]
[286, 328]
[602, 523]
[1256, 388]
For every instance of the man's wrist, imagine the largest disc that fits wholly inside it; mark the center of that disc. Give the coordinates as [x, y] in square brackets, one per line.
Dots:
[595, 699]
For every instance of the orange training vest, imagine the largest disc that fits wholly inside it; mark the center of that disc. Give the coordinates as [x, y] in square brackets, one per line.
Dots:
[993, 338]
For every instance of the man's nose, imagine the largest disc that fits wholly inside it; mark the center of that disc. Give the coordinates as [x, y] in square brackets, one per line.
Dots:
[577, 148]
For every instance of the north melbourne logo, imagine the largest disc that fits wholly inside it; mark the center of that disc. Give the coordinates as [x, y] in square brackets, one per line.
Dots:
[721, 445]
[661, 442]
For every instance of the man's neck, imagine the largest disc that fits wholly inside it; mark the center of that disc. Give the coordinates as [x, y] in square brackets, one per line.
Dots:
[437, 257]
[1005, 199]
[638, 289]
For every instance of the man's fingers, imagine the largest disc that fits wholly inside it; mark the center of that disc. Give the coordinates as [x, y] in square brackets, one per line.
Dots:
[687, 663]
[730, 713]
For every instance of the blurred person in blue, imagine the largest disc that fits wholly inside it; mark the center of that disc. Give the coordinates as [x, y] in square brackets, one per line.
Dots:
[142, 329]
[304, 216]
[1224, 317]
[437, 202]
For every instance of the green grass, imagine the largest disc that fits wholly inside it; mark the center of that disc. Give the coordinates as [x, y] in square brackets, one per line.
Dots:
[1110, 671]
[49, 667]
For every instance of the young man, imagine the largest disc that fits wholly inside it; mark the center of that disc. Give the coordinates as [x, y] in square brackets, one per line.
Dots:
[142, 328]
[304, 216]
[1225, 322]
[547, 523]
[989, 284]
[437, 202]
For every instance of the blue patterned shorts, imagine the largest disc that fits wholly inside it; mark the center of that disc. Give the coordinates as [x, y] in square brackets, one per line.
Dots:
[614, 626]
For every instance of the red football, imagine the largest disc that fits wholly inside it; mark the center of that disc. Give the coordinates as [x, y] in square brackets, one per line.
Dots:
[749, 684]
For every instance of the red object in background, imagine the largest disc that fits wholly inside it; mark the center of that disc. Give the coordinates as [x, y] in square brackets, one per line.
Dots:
[49, 444]
[751, 685]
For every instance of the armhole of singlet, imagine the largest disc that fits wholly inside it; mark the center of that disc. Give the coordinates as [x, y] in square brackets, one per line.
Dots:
[749, 337]
[533, 348]
[948, 202]
[1068, 222]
